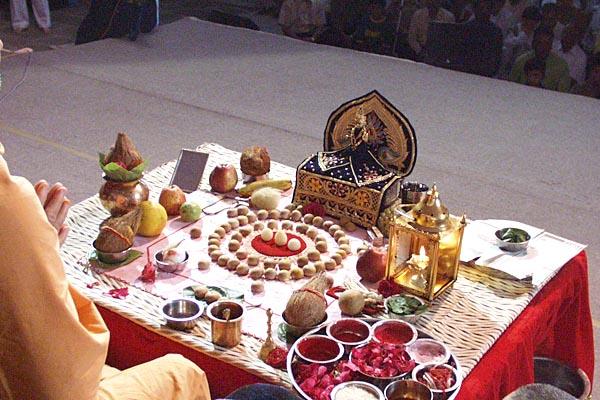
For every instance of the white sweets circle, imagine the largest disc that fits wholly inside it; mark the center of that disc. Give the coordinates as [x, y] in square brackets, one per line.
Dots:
[280, 238]
[266, 234]
[294, 244]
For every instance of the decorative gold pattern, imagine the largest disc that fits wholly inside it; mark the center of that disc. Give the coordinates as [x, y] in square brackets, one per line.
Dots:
[340, 198]
[386, 127]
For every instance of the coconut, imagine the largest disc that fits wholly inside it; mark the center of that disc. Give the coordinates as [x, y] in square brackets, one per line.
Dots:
[307, 306]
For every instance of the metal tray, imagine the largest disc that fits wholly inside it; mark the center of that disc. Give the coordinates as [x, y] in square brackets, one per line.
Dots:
[292, 358]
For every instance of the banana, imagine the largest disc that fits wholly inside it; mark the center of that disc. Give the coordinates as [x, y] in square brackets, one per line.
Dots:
[280, 184]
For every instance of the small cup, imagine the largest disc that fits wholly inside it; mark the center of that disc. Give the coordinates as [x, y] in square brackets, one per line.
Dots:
[111, 258]
[407, 389]
[181, 314]
[416, 373]
[350, 332]
[427, 351]
[169, 267]
[226, 333]
[413, 192]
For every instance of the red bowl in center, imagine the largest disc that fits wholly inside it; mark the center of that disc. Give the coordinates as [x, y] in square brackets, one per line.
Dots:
[319, 349]
[350, 331]
[394, 332]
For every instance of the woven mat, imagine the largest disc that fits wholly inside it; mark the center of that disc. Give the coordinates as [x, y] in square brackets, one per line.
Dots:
[468, 318]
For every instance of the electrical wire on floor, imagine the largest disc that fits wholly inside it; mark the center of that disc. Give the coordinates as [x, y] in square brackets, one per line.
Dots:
[29, 53]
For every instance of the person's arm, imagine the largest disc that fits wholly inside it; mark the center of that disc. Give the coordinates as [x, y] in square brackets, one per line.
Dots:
[53, 342]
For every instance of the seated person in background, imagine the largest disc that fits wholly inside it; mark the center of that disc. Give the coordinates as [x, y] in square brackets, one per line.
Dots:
[591, 86]
[556, 72]
[301, 19]
[53, 342]
[508, 17]
[462, 10]
[549, 16]
[568, 49]
[419, 25]
[519, 39]
[374, 33]
[534, 72]
[482, 41]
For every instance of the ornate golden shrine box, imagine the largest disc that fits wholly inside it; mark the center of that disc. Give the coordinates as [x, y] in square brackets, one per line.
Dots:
[369, 148]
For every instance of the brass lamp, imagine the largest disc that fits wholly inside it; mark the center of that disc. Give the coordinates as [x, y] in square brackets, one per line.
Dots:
[424, 248]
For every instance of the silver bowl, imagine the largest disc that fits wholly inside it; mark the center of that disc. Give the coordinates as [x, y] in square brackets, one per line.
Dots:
[169, 267]
[410, 318]
[512, 247]
[111, 258]
[410, 388]
[425, 367]
[182, 313]
[297, 331]
[372, 389]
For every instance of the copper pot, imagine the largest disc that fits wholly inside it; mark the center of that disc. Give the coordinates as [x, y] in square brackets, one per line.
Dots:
[121, 197]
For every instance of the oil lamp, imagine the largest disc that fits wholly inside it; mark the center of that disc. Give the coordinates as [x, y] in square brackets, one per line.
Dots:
[424, 249]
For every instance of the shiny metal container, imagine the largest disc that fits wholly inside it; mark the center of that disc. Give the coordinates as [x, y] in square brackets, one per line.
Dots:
[169, 267]
[226, 333]
[181, 314]
[111, 258]
[407, 389]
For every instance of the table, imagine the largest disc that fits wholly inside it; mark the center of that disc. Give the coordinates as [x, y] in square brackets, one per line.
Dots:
[493, 326]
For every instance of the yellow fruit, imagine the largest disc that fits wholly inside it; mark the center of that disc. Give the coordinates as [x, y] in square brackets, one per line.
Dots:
[154, 219]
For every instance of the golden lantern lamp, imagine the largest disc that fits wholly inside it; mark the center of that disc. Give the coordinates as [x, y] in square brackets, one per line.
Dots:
[424, 247]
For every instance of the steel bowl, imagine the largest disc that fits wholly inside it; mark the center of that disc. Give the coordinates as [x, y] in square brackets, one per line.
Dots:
[438, 351]
[359, 329]
[512, 247]
[398, 324]
[424, 367]
[410, 318]
[169, 267]
[181, 313]
[319, 342]
[372, 389]
[111, 258]
[297, 331]
[409, 389]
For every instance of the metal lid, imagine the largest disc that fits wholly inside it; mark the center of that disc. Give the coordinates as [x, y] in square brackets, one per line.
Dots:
[430, 214]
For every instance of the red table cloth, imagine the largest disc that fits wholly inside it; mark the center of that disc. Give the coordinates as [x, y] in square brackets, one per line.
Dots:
[557, 324]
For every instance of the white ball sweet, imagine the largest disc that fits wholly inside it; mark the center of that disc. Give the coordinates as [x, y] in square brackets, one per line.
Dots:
[280, 238]
[266, 234]
[294, 244]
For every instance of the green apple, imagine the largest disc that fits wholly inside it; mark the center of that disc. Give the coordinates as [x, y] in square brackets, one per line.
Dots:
[190, 211]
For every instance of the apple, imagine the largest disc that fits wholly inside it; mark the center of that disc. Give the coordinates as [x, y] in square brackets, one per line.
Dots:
[172, 198]
[223, 178]
[190, 212]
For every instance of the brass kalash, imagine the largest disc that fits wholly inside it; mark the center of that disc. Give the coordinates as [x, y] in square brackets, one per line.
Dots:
[424, 248]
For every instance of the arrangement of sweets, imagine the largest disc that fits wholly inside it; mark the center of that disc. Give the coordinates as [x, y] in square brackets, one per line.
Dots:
[380, 352]
[276, 244]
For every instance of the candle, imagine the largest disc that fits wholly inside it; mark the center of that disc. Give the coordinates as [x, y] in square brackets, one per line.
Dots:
[421, 260]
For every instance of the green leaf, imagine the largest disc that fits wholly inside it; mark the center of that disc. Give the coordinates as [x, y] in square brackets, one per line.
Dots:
[116, 172]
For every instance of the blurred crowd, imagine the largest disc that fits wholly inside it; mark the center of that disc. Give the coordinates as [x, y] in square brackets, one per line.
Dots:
[554, 44]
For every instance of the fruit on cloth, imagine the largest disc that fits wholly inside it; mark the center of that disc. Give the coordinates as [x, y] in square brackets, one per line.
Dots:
[172, 198]
[195, 233]
[294, 245]
[257, 287]
[279, 184]
[255, 161]
[223, 178]
[266, 234]
[351, 302]
[190, 211]
[154, 219]
[266, 198]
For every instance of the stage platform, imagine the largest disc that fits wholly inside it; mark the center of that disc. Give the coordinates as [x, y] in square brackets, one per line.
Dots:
[495, 148]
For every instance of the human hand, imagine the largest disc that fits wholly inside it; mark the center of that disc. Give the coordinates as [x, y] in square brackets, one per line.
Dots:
[56, 205]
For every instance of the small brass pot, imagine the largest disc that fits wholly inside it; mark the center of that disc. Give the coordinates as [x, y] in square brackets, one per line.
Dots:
[119, 198]
[226, 333]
